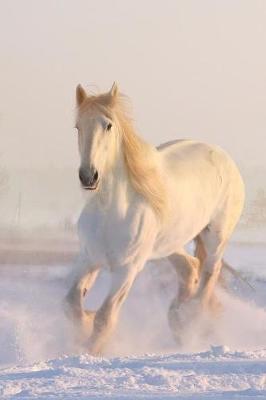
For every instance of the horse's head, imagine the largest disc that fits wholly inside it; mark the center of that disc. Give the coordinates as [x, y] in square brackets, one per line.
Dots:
[97, 135]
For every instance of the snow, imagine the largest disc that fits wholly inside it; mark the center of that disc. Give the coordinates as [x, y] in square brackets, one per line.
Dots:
[212, 374]
[223, 358]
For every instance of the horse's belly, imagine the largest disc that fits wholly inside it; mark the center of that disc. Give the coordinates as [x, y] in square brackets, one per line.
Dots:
[178, 234]
[165, 248]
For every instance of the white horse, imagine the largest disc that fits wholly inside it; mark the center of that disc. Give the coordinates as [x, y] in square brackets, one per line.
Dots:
[147, 203]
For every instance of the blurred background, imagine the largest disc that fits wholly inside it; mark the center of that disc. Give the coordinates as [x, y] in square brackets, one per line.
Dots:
[192, 69]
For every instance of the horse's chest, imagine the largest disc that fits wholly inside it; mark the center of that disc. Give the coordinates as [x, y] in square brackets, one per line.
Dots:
[107, 240]
[91, 229]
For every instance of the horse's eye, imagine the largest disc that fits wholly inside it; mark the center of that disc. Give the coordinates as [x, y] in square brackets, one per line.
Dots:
[109, 126]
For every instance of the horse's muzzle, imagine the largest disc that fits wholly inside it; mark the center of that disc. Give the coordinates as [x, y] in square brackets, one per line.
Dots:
[89, 179]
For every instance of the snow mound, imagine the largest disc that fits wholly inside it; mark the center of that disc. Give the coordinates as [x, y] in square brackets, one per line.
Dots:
[218, 373]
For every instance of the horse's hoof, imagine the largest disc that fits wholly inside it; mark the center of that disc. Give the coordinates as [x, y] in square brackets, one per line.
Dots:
[216, 307]
[93, 350]
[211, 305]
[182, 318]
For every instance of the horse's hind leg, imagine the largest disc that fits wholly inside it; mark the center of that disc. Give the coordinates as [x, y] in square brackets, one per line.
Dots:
[200, 251]
[187, 268]
[214, 245]
[216, 235]
[201, 254]
[214, 238]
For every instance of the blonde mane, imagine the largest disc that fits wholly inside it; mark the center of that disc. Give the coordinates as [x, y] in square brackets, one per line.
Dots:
[141, 159]
[142, 165]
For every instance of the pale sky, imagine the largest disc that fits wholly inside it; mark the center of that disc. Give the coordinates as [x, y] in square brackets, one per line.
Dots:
[191, 68]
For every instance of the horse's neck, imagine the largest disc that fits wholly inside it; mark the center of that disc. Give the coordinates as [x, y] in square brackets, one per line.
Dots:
[115, 191]
[120, 186]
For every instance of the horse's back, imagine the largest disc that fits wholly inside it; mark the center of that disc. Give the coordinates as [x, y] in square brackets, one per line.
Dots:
[189, 150]
[201, 175]
[199, 158]
[171, 143]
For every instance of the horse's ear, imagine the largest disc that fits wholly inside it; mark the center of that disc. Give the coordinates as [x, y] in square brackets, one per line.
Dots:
[114, 90]
[81, 95]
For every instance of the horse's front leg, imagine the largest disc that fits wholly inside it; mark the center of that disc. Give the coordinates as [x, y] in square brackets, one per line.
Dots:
[81, 280]
[107, 316]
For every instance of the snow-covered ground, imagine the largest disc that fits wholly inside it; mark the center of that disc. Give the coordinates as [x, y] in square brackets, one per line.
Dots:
[223, 358]
[215, 374]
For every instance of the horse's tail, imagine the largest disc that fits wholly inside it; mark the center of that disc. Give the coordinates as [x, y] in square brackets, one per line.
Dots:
[237, 274]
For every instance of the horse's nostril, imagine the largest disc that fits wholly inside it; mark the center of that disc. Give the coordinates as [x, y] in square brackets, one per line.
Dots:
[84, 178]
[81, 177]
[95, 176]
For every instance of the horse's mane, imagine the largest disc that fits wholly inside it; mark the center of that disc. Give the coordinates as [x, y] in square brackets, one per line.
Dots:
[141, 159]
